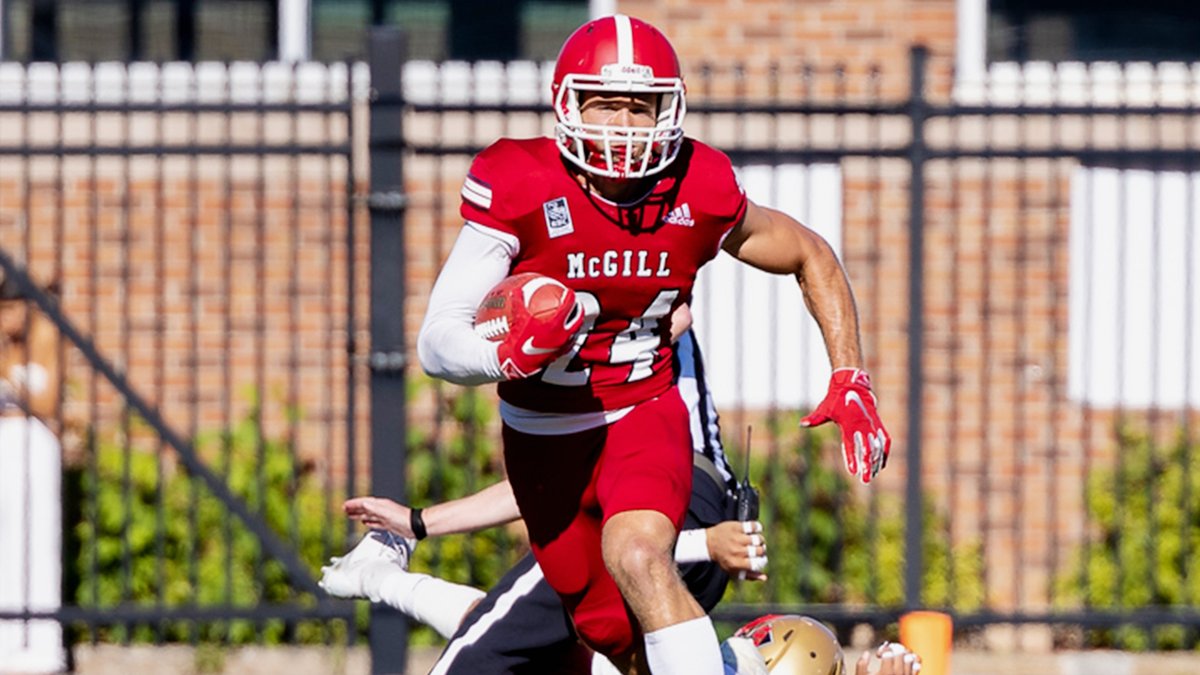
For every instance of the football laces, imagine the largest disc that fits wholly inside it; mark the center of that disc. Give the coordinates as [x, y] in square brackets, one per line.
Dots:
[492, 328]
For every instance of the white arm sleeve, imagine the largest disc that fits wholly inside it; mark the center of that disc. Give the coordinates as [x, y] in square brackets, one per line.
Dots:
[447, 345]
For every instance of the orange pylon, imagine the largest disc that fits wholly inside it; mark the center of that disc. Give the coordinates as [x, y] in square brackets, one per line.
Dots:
[931, 636]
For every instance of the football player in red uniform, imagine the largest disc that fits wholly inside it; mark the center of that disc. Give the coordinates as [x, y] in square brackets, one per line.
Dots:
[519, 626]
[623, 209]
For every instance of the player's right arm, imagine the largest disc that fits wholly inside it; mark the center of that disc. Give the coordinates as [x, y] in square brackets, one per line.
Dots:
[447, 345]
[484, 254]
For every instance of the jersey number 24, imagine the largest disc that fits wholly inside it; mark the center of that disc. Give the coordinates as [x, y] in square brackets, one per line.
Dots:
[636, 345]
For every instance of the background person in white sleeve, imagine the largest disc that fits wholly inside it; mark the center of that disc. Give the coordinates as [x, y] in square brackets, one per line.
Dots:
[30, 486]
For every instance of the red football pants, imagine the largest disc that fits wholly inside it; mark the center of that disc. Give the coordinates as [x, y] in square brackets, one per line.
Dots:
[568, 486]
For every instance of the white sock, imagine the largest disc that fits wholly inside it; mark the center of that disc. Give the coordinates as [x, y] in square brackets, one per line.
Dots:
[434, 602]
[688, 648]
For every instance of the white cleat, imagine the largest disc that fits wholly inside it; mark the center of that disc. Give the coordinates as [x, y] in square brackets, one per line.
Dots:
[378, 550]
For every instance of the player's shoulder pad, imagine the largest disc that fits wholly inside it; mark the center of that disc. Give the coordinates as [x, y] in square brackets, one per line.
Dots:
[712, 170]
[511, 176]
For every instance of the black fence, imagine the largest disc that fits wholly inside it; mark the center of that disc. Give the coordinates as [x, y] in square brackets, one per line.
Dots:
[1028, 308]
[190, 238]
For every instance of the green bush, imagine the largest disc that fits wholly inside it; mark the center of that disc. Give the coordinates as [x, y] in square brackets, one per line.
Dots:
[827, 546]
[466, 462]
[196, 553]
[1143, 541]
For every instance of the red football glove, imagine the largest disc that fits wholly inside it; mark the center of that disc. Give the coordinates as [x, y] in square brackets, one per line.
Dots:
[525, 351]
[851, 404]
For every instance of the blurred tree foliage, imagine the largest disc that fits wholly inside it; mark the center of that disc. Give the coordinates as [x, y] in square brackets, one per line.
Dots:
[828, 546]
[465, 459]
[1142, 544]
[144, 533]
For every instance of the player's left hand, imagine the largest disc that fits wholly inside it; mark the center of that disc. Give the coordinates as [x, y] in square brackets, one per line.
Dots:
[739, 548]
[894, 659]
[851, 404]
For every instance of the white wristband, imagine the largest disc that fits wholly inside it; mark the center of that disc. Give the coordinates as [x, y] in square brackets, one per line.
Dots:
[692, 547]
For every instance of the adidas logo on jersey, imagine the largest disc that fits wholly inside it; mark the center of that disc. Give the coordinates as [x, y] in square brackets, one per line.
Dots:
[680, 215]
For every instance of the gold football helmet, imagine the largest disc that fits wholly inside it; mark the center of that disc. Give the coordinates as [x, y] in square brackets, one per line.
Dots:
[795, 645]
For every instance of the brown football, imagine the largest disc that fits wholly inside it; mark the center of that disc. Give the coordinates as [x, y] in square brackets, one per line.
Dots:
[516, 300]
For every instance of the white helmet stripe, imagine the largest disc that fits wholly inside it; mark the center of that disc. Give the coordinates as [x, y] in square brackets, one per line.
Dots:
[624, 40]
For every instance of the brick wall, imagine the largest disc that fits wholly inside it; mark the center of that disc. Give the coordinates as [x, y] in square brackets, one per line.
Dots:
[856, 35]
[208, 284]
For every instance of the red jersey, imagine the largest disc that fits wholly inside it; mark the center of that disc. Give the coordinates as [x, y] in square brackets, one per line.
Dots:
[630, 265]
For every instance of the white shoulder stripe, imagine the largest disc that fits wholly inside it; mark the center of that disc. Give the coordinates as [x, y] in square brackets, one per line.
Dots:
[479, 186]
[624, 40]
[477, 193]
[476, 199]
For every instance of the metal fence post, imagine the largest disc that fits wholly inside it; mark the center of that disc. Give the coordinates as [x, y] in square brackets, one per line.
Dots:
[918, 111]
[389, 629]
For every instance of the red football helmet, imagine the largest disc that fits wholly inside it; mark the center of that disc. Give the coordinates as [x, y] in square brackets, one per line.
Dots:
[618, 54]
